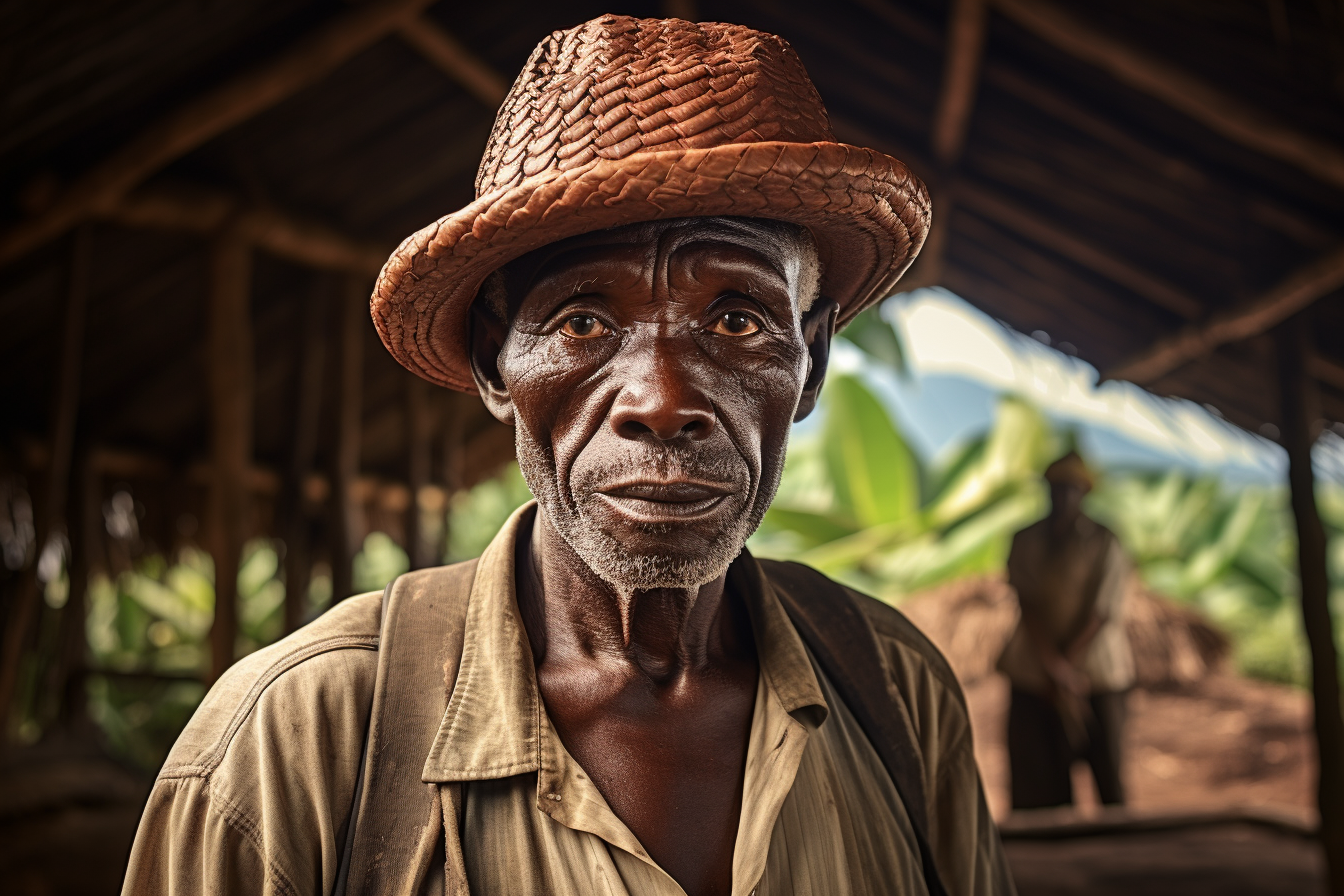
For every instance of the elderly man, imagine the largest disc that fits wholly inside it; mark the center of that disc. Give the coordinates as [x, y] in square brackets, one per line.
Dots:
[616, 697]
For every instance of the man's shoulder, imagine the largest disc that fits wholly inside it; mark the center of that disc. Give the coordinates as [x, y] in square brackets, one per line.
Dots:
[323, 674]
[1033, 533]
[898, 637]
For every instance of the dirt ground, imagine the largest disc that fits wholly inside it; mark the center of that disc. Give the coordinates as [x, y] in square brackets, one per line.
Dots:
[1221, 743]
[1222, 747]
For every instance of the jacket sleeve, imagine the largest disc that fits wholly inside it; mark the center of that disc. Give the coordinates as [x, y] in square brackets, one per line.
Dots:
[965, 839]
[256, 793]
[962, 834]
[190, 843]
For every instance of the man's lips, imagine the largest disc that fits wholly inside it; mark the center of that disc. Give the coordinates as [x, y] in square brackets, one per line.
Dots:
[659, 500]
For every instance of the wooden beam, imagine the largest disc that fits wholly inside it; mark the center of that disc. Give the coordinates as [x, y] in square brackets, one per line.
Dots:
[308, 389]
[1088, 122]
[231, 422]
[455, 60]
[86, 525]
[354, 317]
[1223, 114]
[1300, 411]
[966, 30]
[284, 236]
[1326, 371]
[1016, 219]
[208, 116]
[1259, 315]
[51, 515]
[961, 77]
[906, 25]
[313, 244]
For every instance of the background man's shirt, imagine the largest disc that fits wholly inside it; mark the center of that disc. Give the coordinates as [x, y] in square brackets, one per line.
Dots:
[1060, 584]
[256, 794]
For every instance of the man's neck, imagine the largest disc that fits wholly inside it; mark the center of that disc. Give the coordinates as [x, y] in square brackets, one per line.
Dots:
[574, 617]
[1067, 527]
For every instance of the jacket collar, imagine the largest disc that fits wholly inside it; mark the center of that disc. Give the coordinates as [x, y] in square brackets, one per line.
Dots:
[495, 717]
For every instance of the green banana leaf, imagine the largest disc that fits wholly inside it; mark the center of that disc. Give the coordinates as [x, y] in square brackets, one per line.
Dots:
[876, 477]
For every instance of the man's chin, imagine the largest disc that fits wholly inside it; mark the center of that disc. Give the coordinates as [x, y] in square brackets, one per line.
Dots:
[628, 572]
[634, 550]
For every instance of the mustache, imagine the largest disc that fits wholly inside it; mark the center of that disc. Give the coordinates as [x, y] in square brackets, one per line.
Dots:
[615, 465]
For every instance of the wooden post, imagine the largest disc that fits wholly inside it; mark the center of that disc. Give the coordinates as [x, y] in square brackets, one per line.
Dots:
[231, 398]
[967, 27]
[307, 417]
[65, 677]
[419, 439]
[1298, 396]
[349, 516]
[50, 511]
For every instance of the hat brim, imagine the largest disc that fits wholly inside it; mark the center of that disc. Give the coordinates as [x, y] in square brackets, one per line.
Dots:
[867, 212]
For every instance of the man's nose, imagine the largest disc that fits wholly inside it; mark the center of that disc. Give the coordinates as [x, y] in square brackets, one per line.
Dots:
[660, 395]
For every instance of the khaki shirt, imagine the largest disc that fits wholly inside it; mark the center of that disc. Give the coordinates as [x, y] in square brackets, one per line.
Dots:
[256, 794]
[1060, 585]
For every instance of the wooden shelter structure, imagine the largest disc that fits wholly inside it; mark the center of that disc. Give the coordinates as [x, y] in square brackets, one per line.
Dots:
[194, 199]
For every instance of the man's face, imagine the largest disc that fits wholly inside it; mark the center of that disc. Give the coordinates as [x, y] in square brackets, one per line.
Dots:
[652, 373]
[1066, 500]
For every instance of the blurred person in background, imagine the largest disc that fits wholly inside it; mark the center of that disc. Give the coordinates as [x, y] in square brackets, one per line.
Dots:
[1069, 661]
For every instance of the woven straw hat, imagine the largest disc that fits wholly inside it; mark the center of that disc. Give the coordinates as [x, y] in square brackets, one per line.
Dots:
[623, 120]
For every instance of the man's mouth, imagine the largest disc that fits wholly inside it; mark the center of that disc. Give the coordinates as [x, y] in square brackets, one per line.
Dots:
[650, 500]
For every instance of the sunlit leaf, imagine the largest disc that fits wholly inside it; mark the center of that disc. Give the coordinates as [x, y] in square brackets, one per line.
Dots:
[877, 338]
[1018, 447]
[875, 474]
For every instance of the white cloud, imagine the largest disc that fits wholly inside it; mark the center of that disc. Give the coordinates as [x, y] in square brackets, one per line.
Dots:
[943, 335]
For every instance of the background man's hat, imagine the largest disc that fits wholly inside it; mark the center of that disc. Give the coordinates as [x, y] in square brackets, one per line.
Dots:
[1070, 469]
[623, 120]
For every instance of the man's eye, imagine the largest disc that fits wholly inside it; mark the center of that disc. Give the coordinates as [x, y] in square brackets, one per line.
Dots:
[582, 326]
[734, 323]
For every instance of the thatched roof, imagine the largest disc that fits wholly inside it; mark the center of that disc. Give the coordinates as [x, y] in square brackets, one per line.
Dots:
[1128, 171]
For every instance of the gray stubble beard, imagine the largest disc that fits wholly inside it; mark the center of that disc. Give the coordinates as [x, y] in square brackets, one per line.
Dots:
[605, 555]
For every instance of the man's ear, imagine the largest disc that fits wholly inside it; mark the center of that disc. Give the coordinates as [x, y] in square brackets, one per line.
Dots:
[488, 334]
[818, 329]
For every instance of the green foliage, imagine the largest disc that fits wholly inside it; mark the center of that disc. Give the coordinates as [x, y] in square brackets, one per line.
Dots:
[856, 503]
[876, 338]
[154, 620]
[380, 561]
[1232, 554]
[476, 515]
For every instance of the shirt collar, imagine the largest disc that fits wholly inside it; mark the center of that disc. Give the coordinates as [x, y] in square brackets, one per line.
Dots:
[492, 726]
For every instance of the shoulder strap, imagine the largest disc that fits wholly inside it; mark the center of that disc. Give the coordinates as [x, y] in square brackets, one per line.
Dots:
[397, 819]
[839, 636]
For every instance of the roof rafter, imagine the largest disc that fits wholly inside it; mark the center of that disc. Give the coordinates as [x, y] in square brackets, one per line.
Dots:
[1289, 296]
[201, 211]
[451, 56]
[1327, 371]
[961, 77]
[207, 116]
[1012, 216]
[1238, 122]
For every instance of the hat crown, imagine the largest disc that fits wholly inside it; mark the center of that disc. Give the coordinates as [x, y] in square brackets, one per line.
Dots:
[616, 86]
